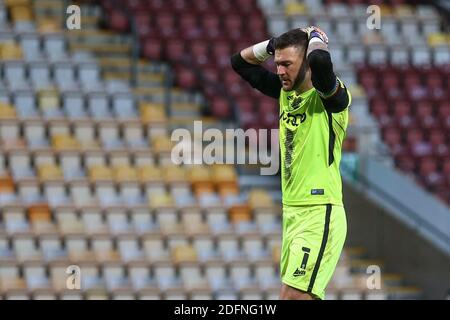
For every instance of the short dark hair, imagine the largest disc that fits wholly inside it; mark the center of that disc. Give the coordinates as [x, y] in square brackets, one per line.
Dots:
[292, 38]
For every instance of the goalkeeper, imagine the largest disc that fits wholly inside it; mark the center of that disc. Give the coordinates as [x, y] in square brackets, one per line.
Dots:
[313, 121]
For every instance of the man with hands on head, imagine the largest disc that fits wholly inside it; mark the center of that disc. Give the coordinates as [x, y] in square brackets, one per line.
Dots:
[313, 121]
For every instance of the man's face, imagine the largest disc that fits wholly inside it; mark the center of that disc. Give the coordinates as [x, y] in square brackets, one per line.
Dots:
[289, 61]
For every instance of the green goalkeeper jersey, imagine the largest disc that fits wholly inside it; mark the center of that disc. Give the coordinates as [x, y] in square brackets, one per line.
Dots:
[310, 143]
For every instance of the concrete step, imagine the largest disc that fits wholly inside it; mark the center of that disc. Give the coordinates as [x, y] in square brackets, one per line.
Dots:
[102, 49]
[404, 293]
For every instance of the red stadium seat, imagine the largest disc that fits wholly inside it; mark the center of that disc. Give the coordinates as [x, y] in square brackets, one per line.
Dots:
[221, 53]
[393, 139]
[203, 6]
[248, 7]
[211, 73]
[390, 80]
[427, 165]
[200, 52]
[405, 163]
[369, 80]
[224, 7]
[181, 5]
[119, 21]
[165, 23]
[245, 104]
[143, 25]
[444, 114]
[421, 149]
[137, 6]
[233, 83]
[221, 108]
[379, 109]
[445, 166]
[152, 48]
[156, 5]
[186, 78]
[440, 146]
[211, 25]
[189, 27]
[175, 50]
[414, 135]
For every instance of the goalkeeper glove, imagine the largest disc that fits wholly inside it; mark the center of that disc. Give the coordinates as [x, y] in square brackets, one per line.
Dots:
[315, 32]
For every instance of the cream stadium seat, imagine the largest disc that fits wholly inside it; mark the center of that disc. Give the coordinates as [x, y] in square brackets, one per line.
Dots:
[191, 276]
[123, 106]
[15, 220]
[20, 164]
[241, 274]
[165, 275]
[131, 193]
[205, 247]
[54, 46]
[134, 135]
[200, 294]
[17, 294]
[253, 246]
[98, 105]
[117, 220]
[24, 247]
[150, 294]
[10, 276]
[123, 294]
[91, 279]
[142, 219]
[51, 247]
[35, 275]
[67, 220]
[216, 274]
[70, 295]
[114, 276]
[93, 220]
[106, 194]
[129, 248]
[139, 273]
[81, 194]
[44, 294]
[226, 295]
[154, 247]
[251, 294]
[97, 294]
[228, 246]
[55, 193]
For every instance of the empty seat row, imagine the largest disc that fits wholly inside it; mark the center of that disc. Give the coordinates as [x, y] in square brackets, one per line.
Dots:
[340, 27]
[50, 104]
[43, 75]
[102, 245]
[35, 47]
[144, 294]
[113, 275]
[138, 219]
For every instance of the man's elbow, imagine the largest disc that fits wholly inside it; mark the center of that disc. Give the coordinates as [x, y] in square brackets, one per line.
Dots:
[320, 60]
[233, 61]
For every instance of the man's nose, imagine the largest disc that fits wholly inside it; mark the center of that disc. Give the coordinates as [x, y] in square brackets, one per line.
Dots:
[281, 70]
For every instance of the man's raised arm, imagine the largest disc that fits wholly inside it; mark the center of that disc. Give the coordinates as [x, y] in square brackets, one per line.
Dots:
[247, 63]
[333, 92]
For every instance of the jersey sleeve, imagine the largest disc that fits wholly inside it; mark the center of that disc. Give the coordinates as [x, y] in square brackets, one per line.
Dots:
[339, 101]
[259, 78]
